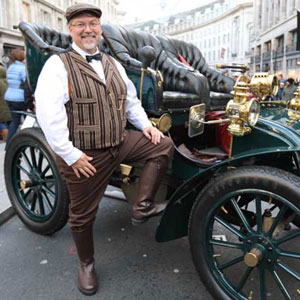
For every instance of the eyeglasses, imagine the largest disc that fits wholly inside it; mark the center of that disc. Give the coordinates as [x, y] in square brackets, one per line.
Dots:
[91, 25]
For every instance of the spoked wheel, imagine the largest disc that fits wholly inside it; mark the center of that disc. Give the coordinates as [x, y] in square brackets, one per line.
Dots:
[34, 184]
[240, 242]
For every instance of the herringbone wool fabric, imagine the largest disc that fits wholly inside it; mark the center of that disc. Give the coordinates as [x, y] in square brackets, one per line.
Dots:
[96, 111]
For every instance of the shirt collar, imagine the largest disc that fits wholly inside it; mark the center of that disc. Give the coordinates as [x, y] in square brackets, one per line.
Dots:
[82, 52]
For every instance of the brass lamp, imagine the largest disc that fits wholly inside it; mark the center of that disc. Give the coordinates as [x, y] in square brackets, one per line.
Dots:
[241, 112]
[264, 84]
[294, 108]
[164, 123]
[295, 102]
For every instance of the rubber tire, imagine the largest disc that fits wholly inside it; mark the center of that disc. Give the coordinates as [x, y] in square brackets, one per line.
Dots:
[60, 215]
[296, 221]
[262, 177]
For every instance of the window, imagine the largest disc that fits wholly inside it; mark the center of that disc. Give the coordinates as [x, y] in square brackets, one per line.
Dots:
[26, 14]
[60, 24]
[46, 17]
[2, 13]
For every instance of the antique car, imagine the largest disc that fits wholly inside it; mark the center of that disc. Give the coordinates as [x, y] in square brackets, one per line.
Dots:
[233, 185]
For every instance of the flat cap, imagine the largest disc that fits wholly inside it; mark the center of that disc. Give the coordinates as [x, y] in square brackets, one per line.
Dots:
[79, 8]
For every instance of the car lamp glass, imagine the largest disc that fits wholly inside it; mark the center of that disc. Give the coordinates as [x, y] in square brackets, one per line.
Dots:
[253, 112]
[242, 116]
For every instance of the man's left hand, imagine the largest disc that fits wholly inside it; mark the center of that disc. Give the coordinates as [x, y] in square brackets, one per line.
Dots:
[153, 134]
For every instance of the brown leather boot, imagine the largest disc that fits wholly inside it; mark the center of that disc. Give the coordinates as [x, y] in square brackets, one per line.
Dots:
[151, 176]
[87, 277]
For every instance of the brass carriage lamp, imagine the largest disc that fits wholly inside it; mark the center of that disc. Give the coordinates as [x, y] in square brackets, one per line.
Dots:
[242, 112]
[295, 102]
[264, 84]
[294, 108]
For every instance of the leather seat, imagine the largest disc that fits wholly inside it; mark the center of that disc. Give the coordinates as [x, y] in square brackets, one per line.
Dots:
[45, 38]
[219, 84]
[182, 86]
[217, 81]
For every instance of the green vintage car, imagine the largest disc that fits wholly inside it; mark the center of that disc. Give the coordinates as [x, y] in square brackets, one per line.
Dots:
[234, 182]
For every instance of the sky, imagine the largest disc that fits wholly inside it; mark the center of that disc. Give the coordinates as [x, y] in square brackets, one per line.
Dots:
[143, 10]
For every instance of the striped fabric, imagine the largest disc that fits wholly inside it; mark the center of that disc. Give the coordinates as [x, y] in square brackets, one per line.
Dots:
[96, 111]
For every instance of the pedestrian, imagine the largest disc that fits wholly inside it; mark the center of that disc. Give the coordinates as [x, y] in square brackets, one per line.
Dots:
[280, 77]
[14, 95]
[289, 89]
[5, 116]
[83, 99]
[280, 91]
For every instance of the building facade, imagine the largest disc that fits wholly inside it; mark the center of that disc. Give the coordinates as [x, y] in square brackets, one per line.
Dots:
[50, 13]
[220, 30]
[274, 37]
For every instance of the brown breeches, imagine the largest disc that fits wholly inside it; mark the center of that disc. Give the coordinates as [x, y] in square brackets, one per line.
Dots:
[86, 193]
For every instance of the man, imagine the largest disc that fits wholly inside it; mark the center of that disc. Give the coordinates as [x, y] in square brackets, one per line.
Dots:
[289, 89]
[83, 99]
[280, 90]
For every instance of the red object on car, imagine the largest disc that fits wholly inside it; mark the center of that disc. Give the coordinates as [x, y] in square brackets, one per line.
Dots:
[223, 137]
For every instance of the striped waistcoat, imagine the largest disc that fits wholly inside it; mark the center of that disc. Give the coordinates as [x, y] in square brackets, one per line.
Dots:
[96, 111]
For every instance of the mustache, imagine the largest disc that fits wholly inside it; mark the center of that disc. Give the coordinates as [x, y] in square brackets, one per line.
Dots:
[88, 35]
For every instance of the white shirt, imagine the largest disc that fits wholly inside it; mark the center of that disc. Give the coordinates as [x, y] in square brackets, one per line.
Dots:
[52, 94]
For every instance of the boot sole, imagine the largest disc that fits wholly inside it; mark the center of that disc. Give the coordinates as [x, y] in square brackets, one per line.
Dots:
[87, 293]
[135, 222]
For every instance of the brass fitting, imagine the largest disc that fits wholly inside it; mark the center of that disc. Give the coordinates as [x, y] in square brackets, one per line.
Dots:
[240, 111]
[264, 84]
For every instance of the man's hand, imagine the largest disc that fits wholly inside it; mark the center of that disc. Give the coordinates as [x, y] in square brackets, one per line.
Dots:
[83, 166]
[153, 134]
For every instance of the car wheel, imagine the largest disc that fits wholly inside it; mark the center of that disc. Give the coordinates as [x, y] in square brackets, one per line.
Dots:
[296, 221]
[34, 184]
[237, 238]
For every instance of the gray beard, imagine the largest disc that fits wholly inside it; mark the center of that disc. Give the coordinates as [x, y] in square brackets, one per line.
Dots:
[89, 46]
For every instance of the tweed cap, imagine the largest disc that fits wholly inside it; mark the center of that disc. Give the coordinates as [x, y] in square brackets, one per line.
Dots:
[76, 9]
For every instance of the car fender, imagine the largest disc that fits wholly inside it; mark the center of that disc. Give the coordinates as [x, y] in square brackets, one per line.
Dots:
[174, 221]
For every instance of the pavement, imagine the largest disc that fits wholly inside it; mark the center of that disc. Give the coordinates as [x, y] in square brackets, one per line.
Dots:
[6, 210]
[129, 263]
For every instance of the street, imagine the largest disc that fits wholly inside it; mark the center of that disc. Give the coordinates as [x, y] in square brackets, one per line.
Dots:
[129, 262]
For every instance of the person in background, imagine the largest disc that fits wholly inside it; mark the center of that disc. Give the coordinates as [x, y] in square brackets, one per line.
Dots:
[280, 91]
[14, 96]
[5, 116]
[289, 89]
[280, 78]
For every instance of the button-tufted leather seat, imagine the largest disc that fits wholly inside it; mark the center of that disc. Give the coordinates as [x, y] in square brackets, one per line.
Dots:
[183, 86]
[44, 38]
[220, 85]
[217, 81]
